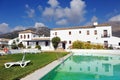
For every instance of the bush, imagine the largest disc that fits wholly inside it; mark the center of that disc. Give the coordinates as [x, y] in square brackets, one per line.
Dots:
[78, 45]
[85, 45]
[29, 47]
[110, 47]
[99, 46]
[20, 45]
[38, 46]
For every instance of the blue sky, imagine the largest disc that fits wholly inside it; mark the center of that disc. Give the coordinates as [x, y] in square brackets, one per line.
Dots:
[22, 14]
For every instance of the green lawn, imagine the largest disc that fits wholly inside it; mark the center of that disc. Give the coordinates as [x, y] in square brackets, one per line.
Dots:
[37, 61]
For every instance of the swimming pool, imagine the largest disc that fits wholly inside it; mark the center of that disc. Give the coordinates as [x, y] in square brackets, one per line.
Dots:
[80, 67]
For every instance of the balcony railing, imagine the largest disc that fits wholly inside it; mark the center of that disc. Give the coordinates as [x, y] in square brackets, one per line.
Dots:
[105, 36]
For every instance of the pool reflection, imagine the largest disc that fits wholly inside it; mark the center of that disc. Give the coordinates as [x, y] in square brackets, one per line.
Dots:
[91, 64]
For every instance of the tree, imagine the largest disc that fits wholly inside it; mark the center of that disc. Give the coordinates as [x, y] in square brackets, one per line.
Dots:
[55, 42]
[20, 45]
[14, 46]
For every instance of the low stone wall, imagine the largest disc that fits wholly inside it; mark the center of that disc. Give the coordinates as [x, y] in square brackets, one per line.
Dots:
[23, 51]
[94, 52]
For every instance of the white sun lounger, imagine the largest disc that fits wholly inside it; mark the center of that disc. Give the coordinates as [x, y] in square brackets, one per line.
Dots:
[22, 63]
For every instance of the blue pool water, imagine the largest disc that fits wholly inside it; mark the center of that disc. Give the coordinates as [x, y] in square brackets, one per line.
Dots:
[79, 67]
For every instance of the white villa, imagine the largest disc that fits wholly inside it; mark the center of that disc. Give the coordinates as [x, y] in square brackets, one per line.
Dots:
[3, 42]
[97, 33]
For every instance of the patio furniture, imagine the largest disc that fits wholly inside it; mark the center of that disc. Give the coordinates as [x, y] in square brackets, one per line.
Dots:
[22, 63]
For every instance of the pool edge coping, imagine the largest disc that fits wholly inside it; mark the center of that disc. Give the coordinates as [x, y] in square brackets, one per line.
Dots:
[38, 74]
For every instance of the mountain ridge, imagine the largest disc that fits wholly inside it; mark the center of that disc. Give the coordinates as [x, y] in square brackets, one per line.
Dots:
[46, 31]
[40, 31]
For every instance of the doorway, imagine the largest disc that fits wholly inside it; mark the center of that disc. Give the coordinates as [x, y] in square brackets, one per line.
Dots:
[63, 45]
[106, 44]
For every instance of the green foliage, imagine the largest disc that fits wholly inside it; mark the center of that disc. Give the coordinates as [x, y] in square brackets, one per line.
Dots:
[85, 45]
[16, 72]
[14, 46]
[20, 45]
[29, 47]
[99, 46]
[55, 42]
[110, 47]
[38, 47]
[78, 45]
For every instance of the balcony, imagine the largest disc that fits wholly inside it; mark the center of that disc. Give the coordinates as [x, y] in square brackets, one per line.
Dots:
[105, 36]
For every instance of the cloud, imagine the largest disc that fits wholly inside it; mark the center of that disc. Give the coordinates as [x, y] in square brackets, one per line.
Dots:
[48, 12]
[93, 19]
[30, 12]
[4, 28]
[115, 18]
[38, 24]
[73, 14]
[40, 8]
[53, 3]
[62, 22]
[18, 28]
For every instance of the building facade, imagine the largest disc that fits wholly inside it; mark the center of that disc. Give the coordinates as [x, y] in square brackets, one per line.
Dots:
[97, 33]
[3, 42]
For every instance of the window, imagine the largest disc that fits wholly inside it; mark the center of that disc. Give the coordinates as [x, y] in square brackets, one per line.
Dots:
[106, 44]
[88, 32]
[95, 32]
[79, 32]
[119, 43]
[69, 32]
[21, 36]
[24, 36]
[69, 42]
[55, 33]
[105, 33]
[28, 36]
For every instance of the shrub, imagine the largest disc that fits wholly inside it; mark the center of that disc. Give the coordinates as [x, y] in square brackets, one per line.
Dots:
[38, 46]
[98, 46]
[20, 45]
[85, 45]
[110, 47]
[29, 47]
[78, 45]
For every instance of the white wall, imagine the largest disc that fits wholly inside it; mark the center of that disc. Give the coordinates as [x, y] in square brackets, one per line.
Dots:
[64, 35]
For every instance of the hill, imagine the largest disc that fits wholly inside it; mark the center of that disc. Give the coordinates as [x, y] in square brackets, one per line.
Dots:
[115, 28]
[40, 30]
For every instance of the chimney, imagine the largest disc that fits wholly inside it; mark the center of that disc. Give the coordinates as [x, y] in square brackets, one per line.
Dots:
[95, 23]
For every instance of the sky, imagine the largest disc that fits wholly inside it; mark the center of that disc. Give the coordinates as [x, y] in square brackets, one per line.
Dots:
[22, 14]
